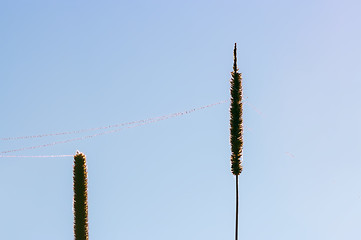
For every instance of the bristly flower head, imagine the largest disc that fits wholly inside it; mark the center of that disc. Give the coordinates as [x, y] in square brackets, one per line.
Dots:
[236, 120]
[80, 179]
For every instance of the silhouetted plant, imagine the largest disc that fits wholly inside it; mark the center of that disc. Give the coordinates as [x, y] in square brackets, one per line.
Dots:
[80, 179]
[236, 129]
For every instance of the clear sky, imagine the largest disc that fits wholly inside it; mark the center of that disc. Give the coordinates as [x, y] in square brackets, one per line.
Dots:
[69, 65]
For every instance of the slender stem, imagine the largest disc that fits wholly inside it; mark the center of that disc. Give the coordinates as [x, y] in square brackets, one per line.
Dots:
[236, 237]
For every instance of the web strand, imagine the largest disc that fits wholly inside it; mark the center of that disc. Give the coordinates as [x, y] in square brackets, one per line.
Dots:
[140, 123]
[42, 156]
[109, 126]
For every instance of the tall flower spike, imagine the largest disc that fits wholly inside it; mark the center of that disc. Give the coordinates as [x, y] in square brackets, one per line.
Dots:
[80, 179]
[236, 120]
[236, 123]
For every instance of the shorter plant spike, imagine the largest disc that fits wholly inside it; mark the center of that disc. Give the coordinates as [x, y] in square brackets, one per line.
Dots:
[80, 187]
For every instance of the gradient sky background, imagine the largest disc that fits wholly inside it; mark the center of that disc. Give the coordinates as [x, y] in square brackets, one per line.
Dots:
[68, 65]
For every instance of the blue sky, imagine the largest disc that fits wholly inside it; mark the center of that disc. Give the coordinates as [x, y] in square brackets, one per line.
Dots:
[69, 65]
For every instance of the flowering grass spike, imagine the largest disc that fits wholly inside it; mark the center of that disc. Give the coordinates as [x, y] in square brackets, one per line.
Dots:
[80, 179]
[236, 129]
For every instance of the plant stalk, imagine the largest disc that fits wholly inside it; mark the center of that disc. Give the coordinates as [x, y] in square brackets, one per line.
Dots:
[236, 232]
